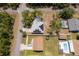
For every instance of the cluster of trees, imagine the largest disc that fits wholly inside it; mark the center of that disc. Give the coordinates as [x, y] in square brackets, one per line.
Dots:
[66, 13]
[6, 33]
[54, 5]
[9, 5]
[29, 17]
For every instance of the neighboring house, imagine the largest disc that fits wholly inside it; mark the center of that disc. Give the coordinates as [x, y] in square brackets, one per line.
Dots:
[76, 47]
[69, 47]
[73, 25]
[64, 32]
[38, 44]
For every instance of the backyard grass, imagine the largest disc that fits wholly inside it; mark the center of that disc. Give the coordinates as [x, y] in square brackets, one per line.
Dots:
[50, 48]
[73, 36]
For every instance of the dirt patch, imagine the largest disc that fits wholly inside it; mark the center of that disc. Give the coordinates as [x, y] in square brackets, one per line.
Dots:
[64, 31]
[15, 29]
[47, 17]
[76, 15]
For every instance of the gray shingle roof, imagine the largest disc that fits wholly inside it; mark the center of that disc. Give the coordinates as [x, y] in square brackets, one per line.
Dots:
[73, 24]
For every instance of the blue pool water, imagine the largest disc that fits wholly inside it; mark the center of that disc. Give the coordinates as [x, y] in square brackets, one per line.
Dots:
[65, 46]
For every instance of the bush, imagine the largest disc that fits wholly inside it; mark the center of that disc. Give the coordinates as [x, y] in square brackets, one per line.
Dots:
[77, 37]
[9, 5]
[60, 5]
[24, 34]
[66, 13]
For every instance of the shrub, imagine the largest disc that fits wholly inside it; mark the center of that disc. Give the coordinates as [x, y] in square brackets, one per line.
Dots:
[24, 34]
[9, 5]
[43, 5]
[66, 13]
[77, 37]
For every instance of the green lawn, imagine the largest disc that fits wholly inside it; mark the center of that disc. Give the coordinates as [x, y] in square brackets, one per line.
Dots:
[31, 53]
[50, 48]
[73, 36]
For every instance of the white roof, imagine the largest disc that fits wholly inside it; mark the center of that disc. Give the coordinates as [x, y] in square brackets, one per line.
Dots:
[71, 46]
[64, 24]
[35, 25]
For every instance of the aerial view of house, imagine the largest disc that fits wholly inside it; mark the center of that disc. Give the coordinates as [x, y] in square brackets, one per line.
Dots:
[39, 29]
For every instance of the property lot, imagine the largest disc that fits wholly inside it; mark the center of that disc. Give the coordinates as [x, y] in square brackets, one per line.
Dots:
[50, 48]
[52, 32]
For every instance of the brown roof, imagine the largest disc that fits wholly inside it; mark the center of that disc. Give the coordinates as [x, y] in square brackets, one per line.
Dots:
[63, 33]
[76, 47]
[38, 44]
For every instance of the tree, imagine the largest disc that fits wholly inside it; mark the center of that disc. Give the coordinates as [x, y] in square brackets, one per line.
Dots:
[29, 17]
[66, 13]
[60, 5]
[9, 5]
[77, 37]
[13, 5]
[43, 5]
[55, 26]
[6, 33]
[36, 13]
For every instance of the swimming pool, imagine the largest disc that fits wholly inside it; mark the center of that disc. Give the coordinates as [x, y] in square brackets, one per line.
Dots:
[65, 47]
